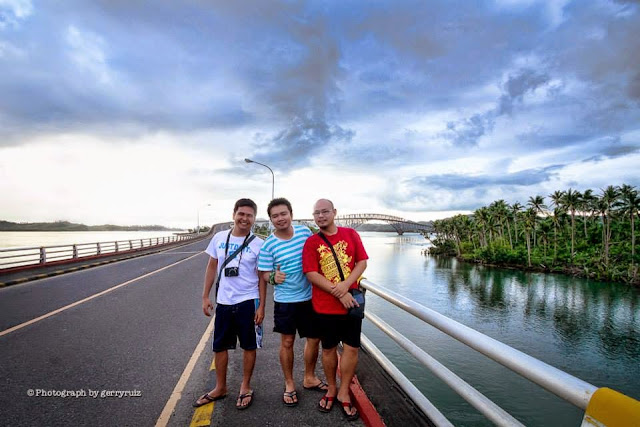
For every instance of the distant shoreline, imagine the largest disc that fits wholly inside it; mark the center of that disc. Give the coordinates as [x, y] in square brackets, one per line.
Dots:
[69, 226]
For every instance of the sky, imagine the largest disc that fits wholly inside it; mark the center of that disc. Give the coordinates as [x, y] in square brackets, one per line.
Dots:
[136, 112]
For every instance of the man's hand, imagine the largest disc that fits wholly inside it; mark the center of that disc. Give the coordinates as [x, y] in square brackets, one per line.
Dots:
[348, 301]
[339, 290]
[206, 306]
[259, 317]
[279, 276]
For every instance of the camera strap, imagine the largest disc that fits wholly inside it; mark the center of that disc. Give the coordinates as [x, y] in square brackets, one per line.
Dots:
[333, 251]
[227, 260]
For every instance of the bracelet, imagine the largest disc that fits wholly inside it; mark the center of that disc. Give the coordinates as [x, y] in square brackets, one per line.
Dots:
[272, 278]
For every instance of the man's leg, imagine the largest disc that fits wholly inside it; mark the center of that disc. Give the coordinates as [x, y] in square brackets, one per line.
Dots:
[222, 360]
[248, 363]
[348, 363]
[311, 347]
[330, 365]
[286, 361]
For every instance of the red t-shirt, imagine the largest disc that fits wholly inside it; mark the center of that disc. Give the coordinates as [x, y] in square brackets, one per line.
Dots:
[317, 256]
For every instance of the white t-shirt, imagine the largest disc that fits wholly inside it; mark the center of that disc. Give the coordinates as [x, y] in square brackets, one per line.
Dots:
[234, 290]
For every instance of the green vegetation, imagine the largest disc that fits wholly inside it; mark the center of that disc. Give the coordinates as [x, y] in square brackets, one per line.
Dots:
[69, 226]
[584, 234]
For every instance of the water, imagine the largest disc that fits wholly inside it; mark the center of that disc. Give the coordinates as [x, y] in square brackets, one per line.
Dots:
[588, 329]
[12, 239]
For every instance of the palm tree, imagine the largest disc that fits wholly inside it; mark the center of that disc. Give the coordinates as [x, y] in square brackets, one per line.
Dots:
[556, 220]
[516, 208]
[529, 221]
[570, 203]
[537, 204]
[630, 205]
[607, 201]
[588, 207]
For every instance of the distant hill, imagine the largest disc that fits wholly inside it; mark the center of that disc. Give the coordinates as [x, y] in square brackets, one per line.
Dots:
[70, 226]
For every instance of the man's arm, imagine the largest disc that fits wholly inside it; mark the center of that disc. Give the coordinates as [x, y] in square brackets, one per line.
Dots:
[262, 290]
[320, 281]
[343, 287]
[209, 278]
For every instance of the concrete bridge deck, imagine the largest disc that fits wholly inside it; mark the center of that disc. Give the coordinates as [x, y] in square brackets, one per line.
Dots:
[135, 326]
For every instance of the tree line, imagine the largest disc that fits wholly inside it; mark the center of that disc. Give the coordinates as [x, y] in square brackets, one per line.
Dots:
[582, 233]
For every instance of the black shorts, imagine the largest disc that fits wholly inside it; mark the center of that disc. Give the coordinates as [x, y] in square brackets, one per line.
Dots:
[291, 316]
[339, 327]
[233, 323]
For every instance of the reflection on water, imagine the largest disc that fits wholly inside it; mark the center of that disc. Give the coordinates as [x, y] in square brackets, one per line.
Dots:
[589, 329]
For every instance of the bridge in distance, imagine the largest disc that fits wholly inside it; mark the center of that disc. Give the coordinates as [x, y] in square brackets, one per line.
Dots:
[400, 225]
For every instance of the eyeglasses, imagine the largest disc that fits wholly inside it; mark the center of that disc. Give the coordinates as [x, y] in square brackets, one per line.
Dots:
[324, 212]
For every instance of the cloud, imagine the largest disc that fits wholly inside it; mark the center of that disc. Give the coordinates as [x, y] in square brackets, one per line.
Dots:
[12, 12]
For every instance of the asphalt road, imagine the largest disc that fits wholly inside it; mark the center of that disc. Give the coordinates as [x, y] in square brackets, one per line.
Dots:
[135, 339]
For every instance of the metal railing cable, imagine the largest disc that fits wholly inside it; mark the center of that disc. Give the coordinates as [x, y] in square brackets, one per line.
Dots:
[425, 405]
[562, 384]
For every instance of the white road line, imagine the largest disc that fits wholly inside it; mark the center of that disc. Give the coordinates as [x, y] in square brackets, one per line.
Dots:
[66, 307]
[176, 395]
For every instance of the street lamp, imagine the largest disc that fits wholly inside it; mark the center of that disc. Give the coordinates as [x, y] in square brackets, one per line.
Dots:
[273, 178]
[203, 206]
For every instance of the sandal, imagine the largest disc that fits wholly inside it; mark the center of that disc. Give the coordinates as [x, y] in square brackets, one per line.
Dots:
[321, 386]
[292, 395]
[347, 415]
[243, 396]
[327, 400]
[207, 399]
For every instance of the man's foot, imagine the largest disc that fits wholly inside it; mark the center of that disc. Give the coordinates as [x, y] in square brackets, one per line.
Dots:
[320, 386]
[326, 403]
[290, 398]
[244, 400]
[349, 411]
[207, 398]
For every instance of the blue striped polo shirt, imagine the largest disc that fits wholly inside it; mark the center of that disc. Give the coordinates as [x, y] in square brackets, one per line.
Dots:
[287, 254]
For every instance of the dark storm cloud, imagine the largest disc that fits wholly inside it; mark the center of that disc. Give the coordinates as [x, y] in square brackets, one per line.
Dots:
[307, 74]
[464, 182]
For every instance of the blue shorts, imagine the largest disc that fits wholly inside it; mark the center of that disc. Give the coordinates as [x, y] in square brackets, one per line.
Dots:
[291, 316]
[339, 327]
[235, 323]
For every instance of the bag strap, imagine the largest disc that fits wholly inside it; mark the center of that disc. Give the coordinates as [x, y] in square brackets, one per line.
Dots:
[335, 256]
[246, 242]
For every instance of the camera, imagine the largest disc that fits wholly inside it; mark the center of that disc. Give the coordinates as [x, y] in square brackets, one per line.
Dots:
[231, 272]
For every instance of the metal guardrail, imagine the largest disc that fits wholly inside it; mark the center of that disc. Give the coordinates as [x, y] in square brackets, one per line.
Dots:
[562, 384]
[19, 257]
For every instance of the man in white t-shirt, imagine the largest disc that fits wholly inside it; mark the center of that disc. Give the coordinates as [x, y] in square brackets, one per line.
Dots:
[281, 258]
[240, 300]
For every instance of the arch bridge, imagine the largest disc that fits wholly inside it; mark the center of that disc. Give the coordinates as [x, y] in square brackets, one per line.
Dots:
[400, 225]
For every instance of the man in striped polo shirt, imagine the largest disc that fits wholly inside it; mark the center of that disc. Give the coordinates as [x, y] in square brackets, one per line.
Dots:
[280, 261]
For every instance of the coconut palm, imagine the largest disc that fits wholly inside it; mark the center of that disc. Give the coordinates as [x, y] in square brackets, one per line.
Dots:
[607, 202]
[537, 204]
[588, 206]
[630, 206]
[516, 208]
[571, 202]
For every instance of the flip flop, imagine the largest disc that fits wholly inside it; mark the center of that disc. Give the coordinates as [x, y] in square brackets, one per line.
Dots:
[208, 399]
[327, 400]
[290, 394]
[347, 415]
[241, 397]
[318, 387]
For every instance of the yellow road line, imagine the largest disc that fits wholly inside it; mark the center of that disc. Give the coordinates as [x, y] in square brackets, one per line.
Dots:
[66, 307]
[165, 416]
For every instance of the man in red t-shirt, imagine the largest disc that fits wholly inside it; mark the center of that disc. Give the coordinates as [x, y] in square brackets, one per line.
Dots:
[331, 300]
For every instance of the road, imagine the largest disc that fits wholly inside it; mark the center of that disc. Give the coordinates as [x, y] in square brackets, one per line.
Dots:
[120, 337]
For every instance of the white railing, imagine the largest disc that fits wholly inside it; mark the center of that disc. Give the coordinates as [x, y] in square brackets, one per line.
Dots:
[562, 384]
[21, 257]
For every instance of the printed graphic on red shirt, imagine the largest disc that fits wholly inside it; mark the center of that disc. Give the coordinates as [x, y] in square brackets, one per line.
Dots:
[328, 261]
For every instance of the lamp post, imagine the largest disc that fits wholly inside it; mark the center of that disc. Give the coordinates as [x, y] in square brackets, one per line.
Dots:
[203, 206]
[273, 178]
